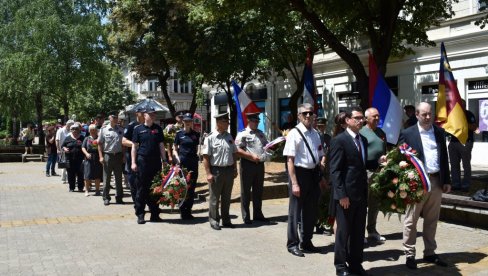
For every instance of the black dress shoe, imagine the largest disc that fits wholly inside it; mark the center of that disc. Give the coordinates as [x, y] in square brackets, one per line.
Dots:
[228, 225]
[296, 252]
[140, 219]
[247, 221]
[411, 263]
[215, 227]
[119, 201]
[435, 260]
[310, 248]
[262, 219]
[342, 272]
[106, 202]
[155, 218]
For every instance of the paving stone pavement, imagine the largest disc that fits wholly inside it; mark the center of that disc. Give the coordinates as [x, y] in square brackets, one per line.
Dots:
[44, 230]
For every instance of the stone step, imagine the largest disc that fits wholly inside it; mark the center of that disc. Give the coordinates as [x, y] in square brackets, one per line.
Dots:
[32, 157]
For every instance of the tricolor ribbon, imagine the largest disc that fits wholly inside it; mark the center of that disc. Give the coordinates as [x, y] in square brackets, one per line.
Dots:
[418, 164]
[174, 171]
[274, 142]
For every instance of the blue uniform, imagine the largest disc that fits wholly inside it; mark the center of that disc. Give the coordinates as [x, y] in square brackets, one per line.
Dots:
[131, 176]
[187, 151]
[148, 164]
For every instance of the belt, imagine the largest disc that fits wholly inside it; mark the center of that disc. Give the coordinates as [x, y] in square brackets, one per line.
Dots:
[113, 153]
[222, 167]
[434, 174]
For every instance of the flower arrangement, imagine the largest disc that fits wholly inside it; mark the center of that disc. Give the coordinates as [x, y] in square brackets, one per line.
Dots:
[401, 181]
[169, 186]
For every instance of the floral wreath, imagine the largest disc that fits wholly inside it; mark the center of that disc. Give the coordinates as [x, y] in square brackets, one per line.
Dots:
[402, 180]
[170, 185]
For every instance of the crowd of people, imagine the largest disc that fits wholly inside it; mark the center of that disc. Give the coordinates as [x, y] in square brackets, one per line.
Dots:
[343, 163]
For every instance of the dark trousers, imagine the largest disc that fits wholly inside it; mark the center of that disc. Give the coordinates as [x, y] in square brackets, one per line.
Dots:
[147, 169]
[304, 206]
[190, 165]
[51, 162]
[252, 178]
[75, 175]
[349, 239]
[131, 176]
[457, 153]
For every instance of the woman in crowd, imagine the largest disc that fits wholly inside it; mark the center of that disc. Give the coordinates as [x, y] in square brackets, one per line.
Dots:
[92, 168]
[51, 151]
[72, 148]
[185, 154]
[28, 137]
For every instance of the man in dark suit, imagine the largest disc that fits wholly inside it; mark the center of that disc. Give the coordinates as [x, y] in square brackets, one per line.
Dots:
[348, 153]
[430, 143]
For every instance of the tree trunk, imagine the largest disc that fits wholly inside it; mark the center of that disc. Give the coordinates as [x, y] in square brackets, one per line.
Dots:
[233, 111]
[39, 108]
[15, 132]
[163, 80]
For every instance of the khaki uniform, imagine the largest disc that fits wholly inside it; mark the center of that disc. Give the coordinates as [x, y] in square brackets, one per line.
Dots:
[252, 173]
[220, 148]
[110, 139]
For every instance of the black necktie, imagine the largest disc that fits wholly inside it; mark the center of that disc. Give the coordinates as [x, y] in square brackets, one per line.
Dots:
[358, 144]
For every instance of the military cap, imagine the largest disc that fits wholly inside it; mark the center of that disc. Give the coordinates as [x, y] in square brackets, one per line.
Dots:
[321, 121]
[253, 116]
[223, 116]
[187, 117]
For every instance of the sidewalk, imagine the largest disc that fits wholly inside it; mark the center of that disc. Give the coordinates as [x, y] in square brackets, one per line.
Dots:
[44, 230]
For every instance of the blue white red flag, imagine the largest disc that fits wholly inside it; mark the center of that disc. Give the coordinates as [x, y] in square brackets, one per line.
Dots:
[382, 98]
[309, 92]
[244, 105]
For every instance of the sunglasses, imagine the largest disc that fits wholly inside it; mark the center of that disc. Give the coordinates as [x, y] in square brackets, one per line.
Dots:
[309, 113]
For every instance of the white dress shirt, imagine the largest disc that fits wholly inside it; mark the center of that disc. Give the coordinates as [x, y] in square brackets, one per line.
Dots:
[429, 145]
[296, 147]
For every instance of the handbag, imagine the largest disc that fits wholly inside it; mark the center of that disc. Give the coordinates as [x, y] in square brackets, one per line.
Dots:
[63, 162]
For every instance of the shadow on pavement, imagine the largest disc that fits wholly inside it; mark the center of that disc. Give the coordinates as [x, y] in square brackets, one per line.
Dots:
[276, 177]
[426, 268]
[386, 255]
[196, 220]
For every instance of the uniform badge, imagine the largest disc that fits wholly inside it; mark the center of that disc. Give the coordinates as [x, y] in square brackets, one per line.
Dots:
[154, 131]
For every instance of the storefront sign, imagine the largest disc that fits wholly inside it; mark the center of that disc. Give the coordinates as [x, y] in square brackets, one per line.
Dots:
[478, 84]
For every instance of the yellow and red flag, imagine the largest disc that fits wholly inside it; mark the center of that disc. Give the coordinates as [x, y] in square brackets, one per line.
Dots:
[449, 110]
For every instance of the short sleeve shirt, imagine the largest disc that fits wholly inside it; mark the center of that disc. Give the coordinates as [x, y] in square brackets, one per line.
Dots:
[129, 131]
[295, 146]
[220, 148]
[111, 138]
[251, 141]
[187, 144]
[148, 138]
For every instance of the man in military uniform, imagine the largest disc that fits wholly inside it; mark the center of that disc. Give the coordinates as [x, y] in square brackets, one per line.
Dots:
[219, 155]
[111, 154]
[185, 153]
[250, 143]
[127, 142]
[147, 155]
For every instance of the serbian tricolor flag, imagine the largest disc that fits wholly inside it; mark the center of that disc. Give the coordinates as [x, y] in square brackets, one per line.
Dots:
[382, 98]
[244, 105]
[449, 112]
[309, 93]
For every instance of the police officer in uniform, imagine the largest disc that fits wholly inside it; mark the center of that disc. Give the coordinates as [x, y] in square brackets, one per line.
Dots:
[147, 155]
[185, 154]
[127, 142]
[219, 155]
[250, 143]
[111, 154]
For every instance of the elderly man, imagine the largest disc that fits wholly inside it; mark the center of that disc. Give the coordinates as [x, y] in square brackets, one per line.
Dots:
[304, 151]
[348, 153]
[111, 153]
[61, 134]
[250, 143]
[430, 143]
[219, 156]
[376, 148]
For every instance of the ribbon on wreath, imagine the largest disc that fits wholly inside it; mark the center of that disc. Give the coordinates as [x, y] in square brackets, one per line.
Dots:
[174, 171]
[418, 164]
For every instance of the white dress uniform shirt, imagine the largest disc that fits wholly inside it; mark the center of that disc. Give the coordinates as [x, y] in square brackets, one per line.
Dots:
[429, 146]
[296, 147]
